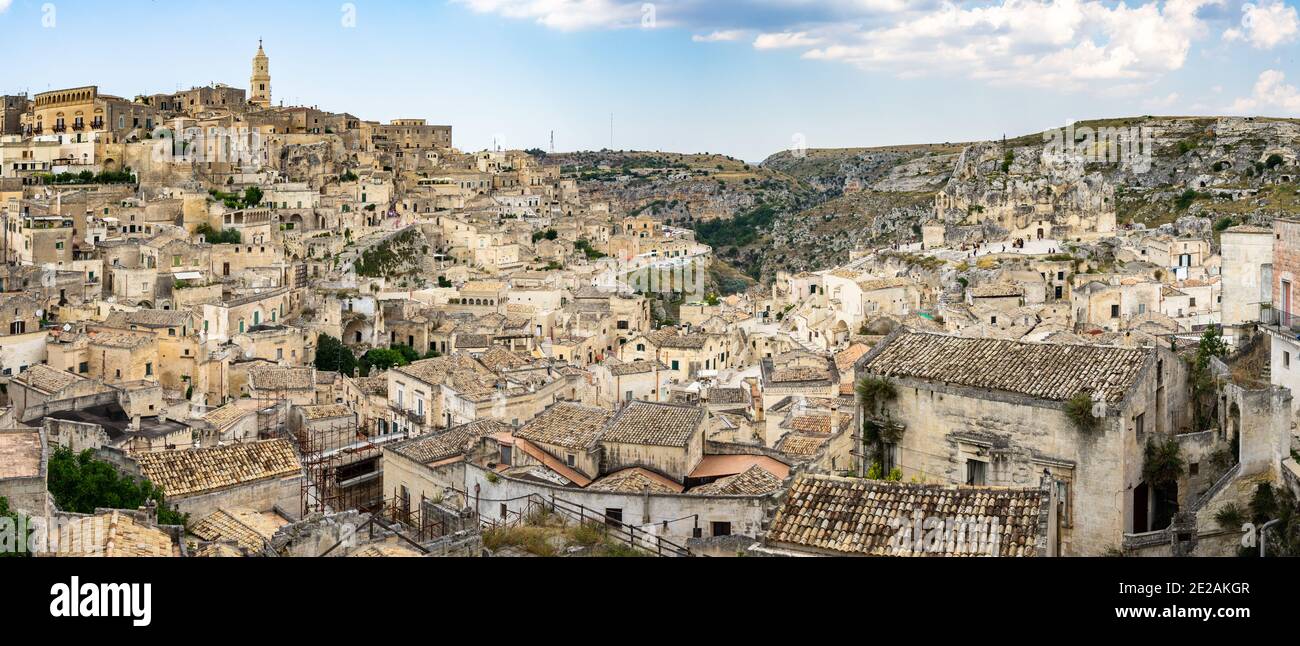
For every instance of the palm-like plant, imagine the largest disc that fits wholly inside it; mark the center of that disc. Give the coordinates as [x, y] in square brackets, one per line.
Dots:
[873, 393]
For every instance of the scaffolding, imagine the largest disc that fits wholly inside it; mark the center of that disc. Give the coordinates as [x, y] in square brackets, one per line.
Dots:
[340, 463]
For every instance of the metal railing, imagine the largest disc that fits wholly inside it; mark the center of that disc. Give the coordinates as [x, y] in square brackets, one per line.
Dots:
[613, 528]
[616, 529]
[1279, 320]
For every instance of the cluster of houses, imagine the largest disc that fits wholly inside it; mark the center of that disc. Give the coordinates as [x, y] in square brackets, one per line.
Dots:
[364, 325]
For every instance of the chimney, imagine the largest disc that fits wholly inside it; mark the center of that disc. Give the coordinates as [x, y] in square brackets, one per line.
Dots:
[135, 422]
[835, 418]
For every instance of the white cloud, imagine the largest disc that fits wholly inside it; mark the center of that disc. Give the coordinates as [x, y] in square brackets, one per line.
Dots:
[4, 5]
[1162, 102]
[786, 39]
[1266, 25]
[725, 36]
[1271, 92]
[565, 15]
[1032, 42]
[1043, 43]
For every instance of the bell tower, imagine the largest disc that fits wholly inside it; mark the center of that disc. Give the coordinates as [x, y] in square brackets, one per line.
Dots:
[259, 87]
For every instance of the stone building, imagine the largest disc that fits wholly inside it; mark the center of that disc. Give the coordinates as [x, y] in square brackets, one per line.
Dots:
[667, 439]
[1247, 273]
[830, 516]
[994, 412]
[24, 458]
[259, 476]
[260, 83]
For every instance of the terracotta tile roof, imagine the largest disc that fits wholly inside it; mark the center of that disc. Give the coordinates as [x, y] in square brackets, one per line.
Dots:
[112, 534]
[727, 396]
[151, 318]
[184, 473]
[635, 480]
[566, 424]
[375, 384]
[1048, 371]
[801, 445]
[431, 448]
[46, 379]
[845, 358]
[326, 411]
[642, 422]
[863, 517]
[816, 423]
[276, 378]
[247, 528]
[225, 416]
[498, 359]
[123, 340]
[756, 481]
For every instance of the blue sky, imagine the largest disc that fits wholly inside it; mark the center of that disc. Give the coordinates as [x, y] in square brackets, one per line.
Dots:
[743, 77]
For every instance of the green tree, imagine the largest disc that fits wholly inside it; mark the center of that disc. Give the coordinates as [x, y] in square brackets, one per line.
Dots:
[218, 236]
[18, 520]
[1201, 380]
[333, 356]
[252, 196]
[382, 358]
[81, 484]
[409, 354]
[873, 393]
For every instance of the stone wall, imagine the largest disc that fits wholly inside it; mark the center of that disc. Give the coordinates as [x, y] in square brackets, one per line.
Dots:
[263, 495]
[646, 511]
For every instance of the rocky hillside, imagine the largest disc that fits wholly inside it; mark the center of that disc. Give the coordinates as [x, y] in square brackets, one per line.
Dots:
[807, 211]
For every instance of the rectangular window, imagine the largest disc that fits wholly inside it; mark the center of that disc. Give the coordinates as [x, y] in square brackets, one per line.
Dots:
[976, 473]
[1286, 359]
[571, 460]
[1114, 311]
[1139, 425]
[613, 516]
[721, 528]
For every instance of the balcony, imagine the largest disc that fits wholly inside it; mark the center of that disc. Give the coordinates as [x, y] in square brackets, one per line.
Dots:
[1279, 322]
[59, 128]
[78, 126]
